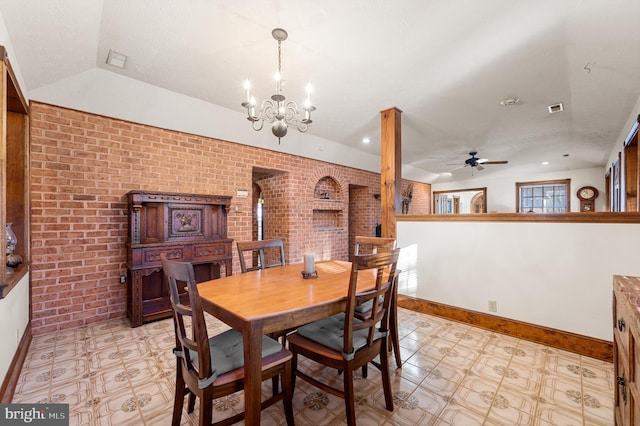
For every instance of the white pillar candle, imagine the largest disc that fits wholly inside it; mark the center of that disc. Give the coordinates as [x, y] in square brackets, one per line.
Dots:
[309, 266]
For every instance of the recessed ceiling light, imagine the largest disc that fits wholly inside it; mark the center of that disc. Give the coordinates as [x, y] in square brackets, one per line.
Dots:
[509, 101]
[116, 59]
[366, 140]
[555, 108]
[544, 163]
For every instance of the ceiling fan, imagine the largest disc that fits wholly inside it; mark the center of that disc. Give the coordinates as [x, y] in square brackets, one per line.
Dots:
[476, 162]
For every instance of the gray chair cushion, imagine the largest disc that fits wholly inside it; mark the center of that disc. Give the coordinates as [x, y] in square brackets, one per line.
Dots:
[227, 351]
[330, 333]
[365, 307]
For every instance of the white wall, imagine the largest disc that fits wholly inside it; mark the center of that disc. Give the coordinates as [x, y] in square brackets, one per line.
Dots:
[14, 317]
[558, 275]
[501, 191]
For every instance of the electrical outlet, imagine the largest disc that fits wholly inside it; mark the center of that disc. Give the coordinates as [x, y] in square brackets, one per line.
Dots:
[123, 279]
[493, 306]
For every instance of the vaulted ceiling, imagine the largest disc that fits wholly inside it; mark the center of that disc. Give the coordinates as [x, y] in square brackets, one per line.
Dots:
[446, 64]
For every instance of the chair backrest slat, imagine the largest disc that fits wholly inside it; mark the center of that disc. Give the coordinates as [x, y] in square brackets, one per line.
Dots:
[366, 245]
[264, 254]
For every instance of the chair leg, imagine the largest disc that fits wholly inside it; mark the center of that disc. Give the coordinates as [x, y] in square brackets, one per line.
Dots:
[349, 397]
[287, 387]
[386, 377]
[275, 386]
[393, 328]
[205, 414]
[192, 402]
[294, 368]
[178, 399]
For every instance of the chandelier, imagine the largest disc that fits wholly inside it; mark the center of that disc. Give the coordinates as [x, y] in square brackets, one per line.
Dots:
[278, 110]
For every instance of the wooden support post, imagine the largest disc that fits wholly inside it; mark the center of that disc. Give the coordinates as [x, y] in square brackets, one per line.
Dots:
[390, 170]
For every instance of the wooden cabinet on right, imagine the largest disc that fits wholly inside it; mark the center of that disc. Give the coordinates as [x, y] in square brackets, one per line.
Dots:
[626, 349]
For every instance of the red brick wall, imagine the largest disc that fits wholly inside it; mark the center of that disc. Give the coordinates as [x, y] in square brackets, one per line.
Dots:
[82, 165]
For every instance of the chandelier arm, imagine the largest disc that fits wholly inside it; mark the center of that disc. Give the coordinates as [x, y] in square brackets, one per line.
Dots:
[290, 112]
[302, 127]
[269, 110]
[257, 128]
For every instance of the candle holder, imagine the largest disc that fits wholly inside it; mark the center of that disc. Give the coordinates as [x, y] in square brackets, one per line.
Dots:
[307, 275]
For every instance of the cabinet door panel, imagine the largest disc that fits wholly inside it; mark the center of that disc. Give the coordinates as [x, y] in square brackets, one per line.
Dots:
[622, 395]
[152, 223]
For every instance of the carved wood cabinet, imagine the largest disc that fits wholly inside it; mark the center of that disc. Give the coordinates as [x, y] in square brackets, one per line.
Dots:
[626, 349]
[186, 227]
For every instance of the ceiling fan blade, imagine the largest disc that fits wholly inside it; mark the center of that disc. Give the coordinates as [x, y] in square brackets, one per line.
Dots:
[479, 167]
[482, 160]
[460, 166]
[496, 162]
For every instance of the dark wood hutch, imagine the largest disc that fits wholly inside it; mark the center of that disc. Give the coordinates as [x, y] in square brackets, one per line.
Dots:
[14, 177]
[186, 227]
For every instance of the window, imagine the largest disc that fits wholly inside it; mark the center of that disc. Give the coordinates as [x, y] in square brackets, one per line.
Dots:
[551, 196]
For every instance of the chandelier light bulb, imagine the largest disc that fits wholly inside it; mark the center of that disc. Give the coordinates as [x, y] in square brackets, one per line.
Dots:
[247, 87]
[277, 109]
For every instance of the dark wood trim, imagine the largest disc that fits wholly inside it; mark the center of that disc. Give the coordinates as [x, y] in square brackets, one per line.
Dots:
[13, 374]
[571, 342]
[390, 169]
[573, 217]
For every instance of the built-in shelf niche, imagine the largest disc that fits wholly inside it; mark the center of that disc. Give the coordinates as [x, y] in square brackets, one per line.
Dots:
[328, 205]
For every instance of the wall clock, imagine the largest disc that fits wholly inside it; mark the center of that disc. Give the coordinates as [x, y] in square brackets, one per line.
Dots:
[587, 196]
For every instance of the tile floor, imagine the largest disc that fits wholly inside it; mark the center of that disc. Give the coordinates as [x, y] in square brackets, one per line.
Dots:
[453, 374]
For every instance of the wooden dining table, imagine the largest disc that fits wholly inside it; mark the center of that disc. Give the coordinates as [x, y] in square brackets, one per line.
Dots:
[274, 299]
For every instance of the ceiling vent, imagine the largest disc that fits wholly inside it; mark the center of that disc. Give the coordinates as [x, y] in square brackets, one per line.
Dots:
[555, 108]
[116, 59]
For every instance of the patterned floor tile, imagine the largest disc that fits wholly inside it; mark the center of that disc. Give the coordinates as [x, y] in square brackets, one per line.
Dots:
[453, 374]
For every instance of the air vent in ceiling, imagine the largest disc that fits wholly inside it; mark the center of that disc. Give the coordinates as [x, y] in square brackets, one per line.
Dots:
[116, 59]
[555, 108]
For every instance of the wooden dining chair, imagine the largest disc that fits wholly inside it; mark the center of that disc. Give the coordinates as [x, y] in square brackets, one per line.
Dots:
[213, 367]
[346, 343]
[264, 254]
[375, 245]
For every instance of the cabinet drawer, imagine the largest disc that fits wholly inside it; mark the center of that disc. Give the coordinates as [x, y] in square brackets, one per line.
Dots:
[211, 251]
[151, 255]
